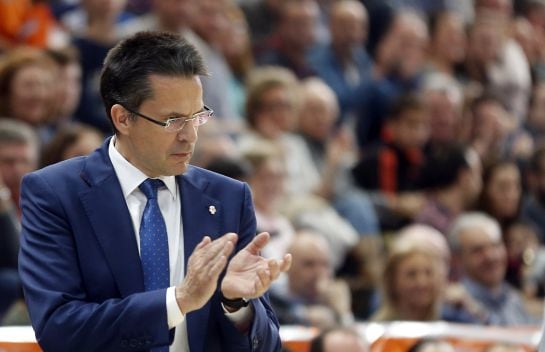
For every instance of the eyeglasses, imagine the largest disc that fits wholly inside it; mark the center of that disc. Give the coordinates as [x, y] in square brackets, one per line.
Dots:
[178, 123]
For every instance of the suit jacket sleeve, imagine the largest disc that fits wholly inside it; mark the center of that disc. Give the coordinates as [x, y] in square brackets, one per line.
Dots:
[64, 318]
[263, 335]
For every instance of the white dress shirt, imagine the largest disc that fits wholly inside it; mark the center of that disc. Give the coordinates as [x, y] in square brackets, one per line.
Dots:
[169, 202]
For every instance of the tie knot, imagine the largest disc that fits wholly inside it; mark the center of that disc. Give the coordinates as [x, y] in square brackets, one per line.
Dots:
[150, 186]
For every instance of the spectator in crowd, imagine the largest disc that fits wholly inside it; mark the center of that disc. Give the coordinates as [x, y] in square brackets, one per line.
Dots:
[443, 97]
[263, 19]
[447, 42]
[311, 295]
[267, 180]
[524, 259]
[338, 339]
[94, 19]
[295, 35]
[452, 178]
[400, 59]
[70, 141]
[392, 168]
[344, 64]
[533, 203]
[333, 152]
[271, 113]
[67, 90]
[508, 74]
[18, 155]
[535, 123]
[476, 240]
[19, 148]
[493, 133]
[502, 192]
[94, 37]
[414, 279]
[28, 22]
[26, 86]
[209, 24]
[235, 45]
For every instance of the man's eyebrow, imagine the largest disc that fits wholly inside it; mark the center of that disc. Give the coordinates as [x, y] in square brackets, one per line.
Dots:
[175, 114]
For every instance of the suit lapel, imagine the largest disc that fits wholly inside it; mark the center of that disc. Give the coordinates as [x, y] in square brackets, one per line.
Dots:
[201, 215]
[110, 219]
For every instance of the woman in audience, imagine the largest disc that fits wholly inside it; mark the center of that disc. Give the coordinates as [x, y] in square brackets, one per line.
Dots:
[415, 280]
[26, 85]
[502, 191]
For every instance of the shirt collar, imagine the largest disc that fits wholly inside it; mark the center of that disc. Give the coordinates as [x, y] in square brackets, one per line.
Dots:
[130, 177]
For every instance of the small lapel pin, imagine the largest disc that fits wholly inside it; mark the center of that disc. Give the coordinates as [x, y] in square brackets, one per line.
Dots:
[212, 209]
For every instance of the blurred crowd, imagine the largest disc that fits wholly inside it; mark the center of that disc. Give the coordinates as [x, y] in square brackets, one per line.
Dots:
[394, 147]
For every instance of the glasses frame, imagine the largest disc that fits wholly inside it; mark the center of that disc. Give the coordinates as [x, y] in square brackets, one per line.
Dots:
[166, 124]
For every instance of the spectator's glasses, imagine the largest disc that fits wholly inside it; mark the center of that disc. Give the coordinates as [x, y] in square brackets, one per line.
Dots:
[178, 123]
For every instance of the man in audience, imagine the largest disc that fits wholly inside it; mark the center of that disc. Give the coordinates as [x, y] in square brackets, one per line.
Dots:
[18, 155]
[344, 64]
[452, 175]
[296, 34]
[338, 339]
[476, 241]
[311, 296]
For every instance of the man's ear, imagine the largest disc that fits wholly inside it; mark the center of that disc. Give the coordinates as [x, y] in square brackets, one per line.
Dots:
[120, 118]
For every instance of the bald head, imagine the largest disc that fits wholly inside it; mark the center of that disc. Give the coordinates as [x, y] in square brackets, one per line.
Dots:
[349, 24]
[311, 264]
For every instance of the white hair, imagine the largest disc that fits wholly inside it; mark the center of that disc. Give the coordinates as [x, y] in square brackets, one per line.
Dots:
[472, 220]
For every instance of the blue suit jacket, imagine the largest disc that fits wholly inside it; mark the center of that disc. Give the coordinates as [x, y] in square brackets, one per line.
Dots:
[81, 270]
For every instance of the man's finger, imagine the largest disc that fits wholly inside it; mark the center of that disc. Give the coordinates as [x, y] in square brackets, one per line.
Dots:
[285, 263]
[217, 246]
[258, 243]
[217, 267]
[263, 281]
[205, 240]
[274, 269]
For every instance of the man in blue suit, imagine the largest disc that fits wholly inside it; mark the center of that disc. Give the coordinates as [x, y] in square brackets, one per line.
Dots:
[133, 249]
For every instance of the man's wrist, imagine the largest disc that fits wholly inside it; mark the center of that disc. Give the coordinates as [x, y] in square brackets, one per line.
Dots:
[235, 304]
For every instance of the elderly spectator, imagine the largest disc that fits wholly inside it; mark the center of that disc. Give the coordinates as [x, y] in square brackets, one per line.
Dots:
[476, 241]
[333, 153]
[311, 295]
[415, 275]
[344, 64]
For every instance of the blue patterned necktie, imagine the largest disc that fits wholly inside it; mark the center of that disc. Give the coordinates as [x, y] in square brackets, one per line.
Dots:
[154, 243]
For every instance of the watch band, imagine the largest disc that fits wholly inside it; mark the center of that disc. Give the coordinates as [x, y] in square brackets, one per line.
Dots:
[234, 303]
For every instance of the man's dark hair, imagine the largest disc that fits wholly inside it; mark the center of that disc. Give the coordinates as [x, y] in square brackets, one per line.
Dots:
[404, 103]
[443, 167]
[128, 65]
[537, 160]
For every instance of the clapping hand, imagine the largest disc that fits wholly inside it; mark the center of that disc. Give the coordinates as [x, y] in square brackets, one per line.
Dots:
[203, 269]
[249, 275]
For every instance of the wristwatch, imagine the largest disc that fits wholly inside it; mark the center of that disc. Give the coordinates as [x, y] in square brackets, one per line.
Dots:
[234, 303]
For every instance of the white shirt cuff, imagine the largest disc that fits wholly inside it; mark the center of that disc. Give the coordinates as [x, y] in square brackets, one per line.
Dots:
[174, 314]
[241, 316]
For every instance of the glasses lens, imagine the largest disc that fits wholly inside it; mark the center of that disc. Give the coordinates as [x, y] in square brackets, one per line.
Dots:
[201, 118]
